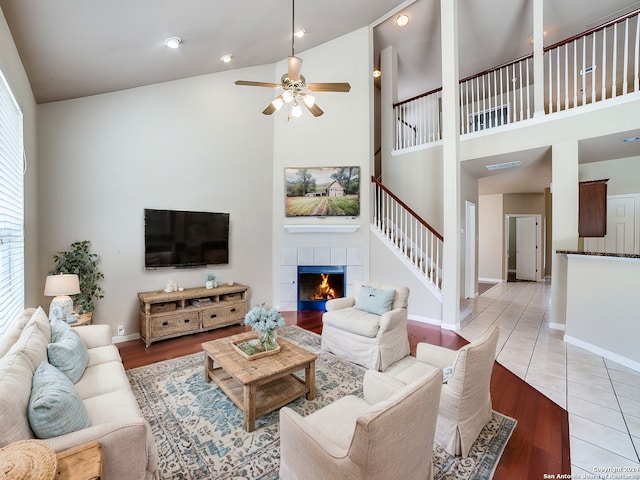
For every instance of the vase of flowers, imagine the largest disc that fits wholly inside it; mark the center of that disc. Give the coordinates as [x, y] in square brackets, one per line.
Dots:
[265, 322]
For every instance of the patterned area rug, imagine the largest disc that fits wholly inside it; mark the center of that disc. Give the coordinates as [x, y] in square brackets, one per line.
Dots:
[199, 431]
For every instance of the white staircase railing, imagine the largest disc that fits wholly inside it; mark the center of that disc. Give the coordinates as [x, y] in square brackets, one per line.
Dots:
[419, 243]
[418, 120]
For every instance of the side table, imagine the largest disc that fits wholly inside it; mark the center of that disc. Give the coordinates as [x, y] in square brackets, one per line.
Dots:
[83, 462]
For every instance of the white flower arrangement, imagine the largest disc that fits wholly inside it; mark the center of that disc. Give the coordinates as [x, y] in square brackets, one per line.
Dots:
[263, 320]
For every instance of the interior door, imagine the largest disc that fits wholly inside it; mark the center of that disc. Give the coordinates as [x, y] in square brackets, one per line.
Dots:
[621, 227]
[526, 252]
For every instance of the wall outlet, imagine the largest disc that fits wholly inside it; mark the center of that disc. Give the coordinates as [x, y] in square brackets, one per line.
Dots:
[120, 330]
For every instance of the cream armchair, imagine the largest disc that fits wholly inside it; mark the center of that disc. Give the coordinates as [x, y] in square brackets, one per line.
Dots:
[389, 434]
[465, 403]
[369, 329]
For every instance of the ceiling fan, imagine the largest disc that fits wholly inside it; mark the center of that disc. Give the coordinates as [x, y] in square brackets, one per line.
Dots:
[295, 89]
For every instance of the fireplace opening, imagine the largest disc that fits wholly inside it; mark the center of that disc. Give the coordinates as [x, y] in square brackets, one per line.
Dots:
[317, 284]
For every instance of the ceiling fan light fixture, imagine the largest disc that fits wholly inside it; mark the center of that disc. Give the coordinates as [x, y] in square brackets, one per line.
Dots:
[227, 57]
[172, 42]
[402, 20]
[296, 110]
[287, 96]
[278, 102]
[309, 100]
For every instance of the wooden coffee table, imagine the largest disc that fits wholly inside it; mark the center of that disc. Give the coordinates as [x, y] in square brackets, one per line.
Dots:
[262, 385]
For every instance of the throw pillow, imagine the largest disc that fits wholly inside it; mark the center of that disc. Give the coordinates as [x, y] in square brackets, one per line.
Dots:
[58, 328]
[55, 408]
[69, 354]
[446, 374]
[374, 300]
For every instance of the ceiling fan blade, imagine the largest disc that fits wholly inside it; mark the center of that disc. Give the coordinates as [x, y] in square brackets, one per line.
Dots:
[256, 84]
[269, 110]
[329, 87]
[315, 110]
[294, 65]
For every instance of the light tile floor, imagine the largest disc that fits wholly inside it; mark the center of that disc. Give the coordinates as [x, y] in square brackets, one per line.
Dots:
[601, 396]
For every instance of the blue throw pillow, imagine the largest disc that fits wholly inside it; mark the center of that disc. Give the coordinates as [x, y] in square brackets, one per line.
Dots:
[55, 408]
[58, 329]
[374, 300]
[69, 354]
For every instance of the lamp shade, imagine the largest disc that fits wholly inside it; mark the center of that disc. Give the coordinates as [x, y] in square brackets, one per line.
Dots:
[63, 284]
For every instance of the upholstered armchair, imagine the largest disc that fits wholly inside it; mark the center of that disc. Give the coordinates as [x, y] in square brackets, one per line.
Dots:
[388, 434]
[465, 402]
[369, 329]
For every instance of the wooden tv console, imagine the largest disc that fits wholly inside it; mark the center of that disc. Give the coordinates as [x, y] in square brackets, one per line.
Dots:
[172, 314]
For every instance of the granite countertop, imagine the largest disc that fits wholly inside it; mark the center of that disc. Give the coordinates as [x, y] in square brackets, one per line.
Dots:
[598, 254]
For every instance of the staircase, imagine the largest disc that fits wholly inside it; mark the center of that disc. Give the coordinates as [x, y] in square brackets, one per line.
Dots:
[416, 243]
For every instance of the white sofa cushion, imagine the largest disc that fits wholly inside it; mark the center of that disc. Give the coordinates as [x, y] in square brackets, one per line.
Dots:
[15, 389]
[102, 378]
[353, 320]
[106, 354]
[13, 334]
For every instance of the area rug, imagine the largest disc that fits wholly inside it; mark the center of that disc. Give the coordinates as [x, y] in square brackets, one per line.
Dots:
[199, 431]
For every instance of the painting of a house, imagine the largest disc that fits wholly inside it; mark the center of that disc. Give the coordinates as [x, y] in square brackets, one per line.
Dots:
[320, 192]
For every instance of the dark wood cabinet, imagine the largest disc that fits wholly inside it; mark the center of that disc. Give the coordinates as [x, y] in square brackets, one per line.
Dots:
[592, 210]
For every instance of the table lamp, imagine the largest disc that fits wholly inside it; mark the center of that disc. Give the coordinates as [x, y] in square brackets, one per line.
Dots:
[60, 287]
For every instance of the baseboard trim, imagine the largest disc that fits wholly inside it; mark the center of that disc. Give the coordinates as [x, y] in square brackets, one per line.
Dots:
[490, 280]
[125, 338]
[557, 326]
[615, 357]
[430, 321]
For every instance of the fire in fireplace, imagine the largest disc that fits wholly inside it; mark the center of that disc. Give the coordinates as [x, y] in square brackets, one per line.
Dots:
[317, 284]
[324, 291]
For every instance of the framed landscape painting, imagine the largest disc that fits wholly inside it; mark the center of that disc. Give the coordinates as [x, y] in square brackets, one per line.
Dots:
[322, 192]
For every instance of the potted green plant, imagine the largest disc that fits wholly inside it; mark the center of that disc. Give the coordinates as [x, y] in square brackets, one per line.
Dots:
[210, 281]
[80, 260]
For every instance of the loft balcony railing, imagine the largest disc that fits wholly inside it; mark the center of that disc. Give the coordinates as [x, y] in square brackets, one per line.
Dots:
[599, 64]
[412, 237]
[594, 66]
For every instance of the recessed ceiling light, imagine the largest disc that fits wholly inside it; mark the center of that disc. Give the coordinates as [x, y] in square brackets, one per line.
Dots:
[377, 73]
[402, 20]
[173, 42]
[631, 139]
[226, 58]
[300, 33]
[500, 166]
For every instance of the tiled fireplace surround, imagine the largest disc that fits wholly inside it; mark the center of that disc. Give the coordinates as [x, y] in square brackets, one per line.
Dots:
[291, 257]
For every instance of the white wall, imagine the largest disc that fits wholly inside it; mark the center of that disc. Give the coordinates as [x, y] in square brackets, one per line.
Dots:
[623, 174]
[194, 144]
[416, 177]
[14, 73]
[491, 237]
[590, 323]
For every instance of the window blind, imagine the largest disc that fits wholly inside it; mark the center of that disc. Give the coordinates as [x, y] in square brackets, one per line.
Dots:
[11, 208]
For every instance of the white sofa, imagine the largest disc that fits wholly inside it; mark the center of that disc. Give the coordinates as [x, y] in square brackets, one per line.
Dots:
[370, 333]
[114, 418]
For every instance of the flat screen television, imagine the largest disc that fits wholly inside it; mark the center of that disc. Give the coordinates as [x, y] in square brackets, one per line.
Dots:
[181, 239]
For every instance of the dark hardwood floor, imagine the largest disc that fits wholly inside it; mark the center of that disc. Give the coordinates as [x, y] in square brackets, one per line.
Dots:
[539, 444]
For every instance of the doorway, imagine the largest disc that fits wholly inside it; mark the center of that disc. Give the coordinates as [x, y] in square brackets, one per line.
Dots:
[524, 247]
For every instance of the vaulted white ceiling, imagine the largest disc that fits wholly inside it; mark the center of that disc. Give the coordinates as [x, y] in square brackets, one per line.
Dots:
[76, 48]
